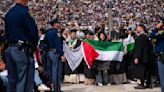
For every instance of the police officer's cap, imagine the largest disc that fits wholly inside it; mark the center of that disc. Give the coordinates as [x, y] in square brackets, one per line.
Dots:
[53, 21]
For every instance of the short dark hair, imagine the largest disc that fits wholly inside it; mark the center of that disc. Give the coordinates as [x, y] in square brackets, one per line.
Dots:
[53, 21]
[97, 28]
[73, 31]
[143, 26]
[43, 30]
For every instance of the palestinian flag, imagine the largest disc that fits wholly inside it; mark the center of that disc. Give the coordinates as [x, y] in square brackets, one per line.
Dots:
[100, 50]
[130, 42]
[131, 46]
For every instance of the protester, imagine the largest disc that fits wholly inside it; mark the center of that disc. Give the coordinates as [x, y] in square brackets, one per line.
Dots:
[89, 73]
[102, 78]
[73, 43]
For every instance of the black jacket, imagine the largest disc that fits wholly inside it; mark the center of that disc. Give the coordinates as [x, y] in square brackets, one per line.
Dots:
[142, 48]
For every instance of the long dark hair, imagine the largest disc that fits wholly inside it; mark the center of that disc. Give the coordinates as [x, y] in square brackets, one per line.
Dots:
[103, 34]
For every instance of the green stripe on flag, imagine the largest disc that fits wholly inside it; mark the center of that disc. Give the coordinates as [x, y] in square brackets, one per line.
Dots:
[131, 46]
[106, 46]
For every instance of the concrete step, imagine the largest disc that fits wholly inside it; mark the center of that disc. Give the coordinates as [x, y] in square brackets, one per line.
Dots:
[91, 88]
[130, 88]
[112, 88]
[42, 91]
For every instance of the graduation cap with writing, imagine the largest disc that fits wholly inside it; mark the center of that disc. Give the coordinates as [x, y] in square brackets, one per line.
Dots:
[53, 21]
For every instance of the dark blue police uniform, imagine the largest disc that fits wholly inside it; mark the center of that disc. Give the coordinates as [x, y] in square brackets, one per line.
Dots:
[159, 48]
[21, 30]
[54, 45]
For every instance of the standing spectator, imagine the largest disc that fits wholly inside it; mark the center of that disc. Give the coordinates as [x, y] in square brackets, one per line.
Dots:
[38, 82]
[141, 57]
[158, 34]
[3, 76]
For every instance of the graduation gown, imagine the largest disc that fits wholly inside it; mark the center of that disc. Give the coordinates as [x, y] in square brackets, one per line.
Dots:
[142, 52]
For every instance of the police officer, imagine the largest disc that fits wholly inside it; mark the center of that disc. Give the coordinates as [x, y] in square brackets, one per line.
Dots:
[158, 34]
[55, 54]
[22, 37]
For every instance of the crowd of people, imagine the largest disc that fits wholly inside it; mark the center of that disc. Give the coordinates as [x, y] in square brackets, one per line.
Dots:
[126, 13]
[88, 19]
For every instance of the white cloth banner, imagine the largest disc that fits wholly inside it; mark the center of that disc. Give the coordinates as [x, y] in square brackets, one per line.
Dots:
[73, 56]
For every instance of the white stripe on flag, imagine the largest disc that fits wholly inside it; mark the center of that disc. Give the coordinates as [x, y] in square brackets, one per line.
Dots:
[110, 55]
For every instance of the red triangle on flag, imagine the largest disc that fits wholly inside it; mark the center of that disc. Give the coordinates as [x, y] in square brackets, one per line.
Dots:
[89, 53]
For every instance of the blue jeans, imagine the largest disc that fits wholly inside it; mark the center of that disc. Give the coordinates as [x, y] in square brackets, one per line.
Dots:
[161, 74]
[21, 70]
[102, 77]
[4, 79]
[54, 65]
[37, 79]
[44, 60]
